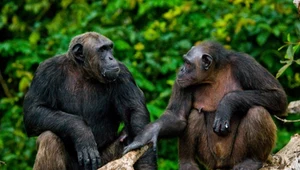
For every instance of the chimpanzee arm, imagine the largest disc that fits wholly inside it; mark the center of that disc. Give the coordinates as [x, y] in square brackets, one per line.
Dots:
[40, 104]
[259, 87]
[41, 112]
[174, 119]
[170, 124]
[129, 101]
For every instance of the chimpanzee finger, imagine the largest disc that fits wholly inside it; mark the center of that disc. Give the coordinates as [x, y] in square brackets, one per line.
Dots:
[86, 159]
[93, 159]
[154, 141]
[132, 146]
[224, 130]
[98, 160]
[216, 126]
[80, 158]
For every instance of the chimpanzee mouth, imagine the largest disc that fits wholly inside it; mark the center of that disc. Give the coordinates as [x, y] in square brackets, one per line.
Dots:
[111, 75]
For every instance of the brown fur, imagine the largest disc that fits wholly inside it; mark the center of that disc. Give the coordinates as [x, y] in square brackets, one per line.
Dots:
[220, 108]
[208, 96]
[52, 153]
[245, 140]
[251, 135]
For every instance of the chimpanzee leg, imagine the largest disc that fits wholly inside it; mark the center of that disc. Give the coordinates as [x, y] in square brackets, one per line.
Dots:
[188, 141]
[257, 134]
[112, 152]
[147, 161]
[51, 153]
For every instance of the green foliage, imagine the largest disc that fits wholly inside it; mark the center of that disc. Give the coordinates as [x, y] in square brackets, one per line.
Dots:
[289, 59]
[150, 37]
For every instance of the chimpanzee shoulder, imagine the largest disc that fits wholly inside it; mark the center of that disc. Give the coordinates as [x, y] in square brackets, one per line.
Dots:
[48, 77]
[125, 74]
[250, 73]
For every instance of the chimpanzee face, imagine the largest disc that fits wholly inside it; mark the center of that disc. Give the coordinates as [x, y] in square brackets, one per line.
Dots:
[95, 53]
[196, 67]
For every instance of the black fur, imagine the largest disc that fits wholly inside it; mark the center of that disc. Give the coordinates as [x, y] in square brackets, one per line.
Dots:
[82, 111]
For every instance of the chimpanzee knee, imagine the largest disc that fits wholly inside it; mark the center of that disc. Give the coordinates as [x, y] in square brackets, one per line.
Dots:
[51, 152]
[261, 134]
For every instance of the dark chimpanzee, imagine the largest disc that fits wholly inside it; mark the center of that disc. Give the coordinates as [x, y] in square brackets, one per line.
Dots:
[220, 109]
[76, 103]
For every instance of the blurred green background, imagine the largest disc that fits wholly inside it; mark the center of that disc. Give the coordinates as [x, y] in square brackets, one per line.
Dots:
[150, 37]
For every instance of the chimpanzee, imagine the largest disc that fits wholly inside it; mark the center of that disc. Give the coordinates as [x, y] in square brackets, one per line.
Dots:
[76, 103]
[220, 109]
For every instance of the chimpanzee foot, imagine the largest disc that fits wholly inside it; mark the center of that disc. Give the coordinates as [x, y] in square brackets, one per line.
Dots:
[248, 164]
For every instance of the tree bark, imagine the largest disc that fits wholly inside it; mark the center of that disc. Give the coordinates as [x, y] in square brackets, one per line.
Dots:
[288, 158]
[127, 161]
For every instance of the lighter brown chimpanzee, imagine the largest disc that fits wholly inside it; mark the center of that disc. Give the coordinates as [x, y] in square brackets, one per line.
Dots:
[76, 103]
[220, 109]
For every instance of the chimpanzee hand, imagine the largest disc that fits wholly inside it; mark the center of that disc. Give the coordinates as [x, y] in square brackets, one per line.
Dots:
[87, 153]
[148, 135]
[222, 122]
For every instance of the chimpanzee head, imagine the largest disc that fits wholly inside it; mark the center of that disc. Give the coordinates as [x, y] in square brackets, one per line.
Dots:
[200, 64]
[94, 53]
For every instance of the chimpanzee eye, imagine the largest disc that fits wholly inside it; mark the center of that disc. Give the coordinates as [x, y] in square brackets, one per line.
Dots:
[106, 48]
[187, 63]
[101, 49]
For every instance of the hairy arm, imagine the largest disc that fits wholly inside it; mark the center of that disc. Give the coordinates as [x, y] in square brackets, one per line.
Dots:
[259, 88]
[40, 104]
[258, 84]
[170, 124]
[174, 119]
[41, 112]
[130, 104]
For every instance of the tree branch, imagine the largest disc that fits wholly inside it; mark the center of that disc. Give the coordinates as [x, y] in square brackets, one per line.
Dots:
[127, 161]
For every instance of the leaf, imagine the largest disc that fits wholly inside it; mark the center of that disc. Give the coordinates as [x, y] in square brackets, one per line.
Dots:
[282, 69]
[34, 37]
[280, 48]
[295, 48]
[297, 61]
[262, 38]
[289, 53]
[24, 84]
[139, 46]
[284, 62]
[122, 45]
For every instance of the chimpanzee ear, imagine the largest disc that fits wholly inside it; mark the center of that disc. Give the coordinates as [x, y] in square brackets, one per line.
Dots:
[206, 61]
[78, 52]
